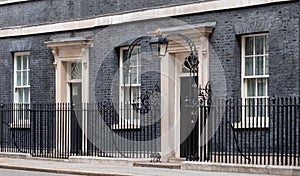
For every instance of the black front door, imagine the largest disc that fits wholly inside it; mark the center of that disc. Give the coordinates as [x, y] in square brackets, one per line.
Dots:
[189, 132]
[76, 118]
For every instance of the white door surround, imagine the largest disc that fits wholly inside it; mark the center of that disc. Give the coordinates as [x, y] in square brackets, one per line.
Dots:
[170, 81]
[67, 51]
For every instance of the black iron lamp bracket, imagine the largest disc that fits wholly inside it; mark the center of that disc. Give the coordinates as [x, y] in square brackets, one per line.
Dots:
[126, 66]
[192, 60]
[127, 71]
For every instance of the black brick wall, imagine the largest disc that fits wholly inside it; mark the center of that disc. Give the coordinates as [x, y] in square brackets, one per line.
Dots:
[42, 73]
[281, 21]
[50, 11]
[282, 25]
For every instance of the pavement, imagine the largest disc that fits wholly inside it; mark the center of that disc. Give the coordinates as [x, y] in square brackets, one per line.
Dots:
[67, 167]
[9, 172]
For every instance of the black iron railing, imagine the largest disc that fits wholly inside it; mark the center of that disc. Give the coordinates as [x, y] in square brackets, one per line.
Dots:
[94, 129]
[262, 131]
[265, 131]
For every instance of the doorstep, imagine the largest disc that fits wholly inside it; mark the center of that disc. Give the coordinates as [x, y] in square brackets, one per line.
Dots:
[15, 155]
[173, 163]
[158, 165]
[106, 160]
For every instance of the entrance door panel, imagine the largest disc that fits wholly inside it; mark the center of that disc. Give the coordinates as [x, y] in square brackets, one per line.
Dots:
[76, 118]
[189, 132]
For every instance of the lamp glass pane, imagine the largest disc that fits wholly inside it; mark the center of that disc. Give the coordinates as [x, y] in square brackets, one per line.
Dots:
[154, 48]
[163, 49]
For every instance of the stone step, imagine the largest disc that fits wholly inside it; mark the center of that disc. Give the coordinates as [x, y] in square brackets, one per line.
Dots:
[176, 160]
[158, 165]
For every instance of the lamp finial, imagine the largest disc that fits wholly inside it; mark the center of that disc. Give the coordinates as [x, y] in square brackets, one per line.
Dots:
[158, 32]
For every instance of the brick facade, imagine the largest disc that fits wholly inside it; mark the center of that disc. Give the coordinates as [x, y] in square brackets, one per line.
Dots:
[280, 20]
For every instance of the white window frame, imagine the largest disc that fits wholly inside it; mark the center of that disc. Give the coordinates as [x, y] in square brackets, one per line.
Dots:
[125, 123]
[18, 108]
[253, 121]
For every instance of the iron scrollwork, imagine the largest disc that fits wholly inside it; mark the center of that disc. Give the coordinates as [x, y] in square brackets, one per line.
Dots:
[126, 66]
[205, 94]
[192, 63]
[199, 95]
[148, 100]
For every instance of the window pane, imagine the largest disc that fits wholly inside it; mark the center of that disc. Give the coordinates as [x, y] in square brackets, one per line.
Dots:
[76, 72]
[125, 73]
[267, 44]
[25, 61]
[28, 79]
[20, 94]
[26, 95]
[134, 75]
[139, 75]
[249, 46]
[19, 78]
[262, 87]
[24, 82]
[125, 78]
[259, 65]
[249, 66]
[134, 63]
[124, 55]
[134, 58]
[259, 45]
[139, 59]
[266, 65]
[251, 87]
[19, 62]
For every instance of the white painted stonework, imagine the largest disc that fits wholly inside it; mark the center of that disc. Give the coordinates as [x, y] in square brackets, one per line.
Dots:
[170, 81]
[2, 2]
[67, 51]
[134, 16]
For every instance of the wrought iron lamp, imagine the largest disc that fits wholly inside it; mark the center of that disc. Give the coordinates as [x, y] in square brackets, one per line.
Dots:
[198, 95]
[159, 44]
[159, 47]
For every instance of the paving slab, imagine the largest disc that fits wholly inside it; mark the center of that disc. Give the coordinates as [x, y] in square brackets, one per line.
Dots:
[66, 167]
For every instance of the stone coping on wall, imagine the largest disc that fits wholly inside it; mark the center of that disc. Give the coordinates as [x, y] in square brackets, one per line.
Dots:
[2, 2]
[150, 14]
